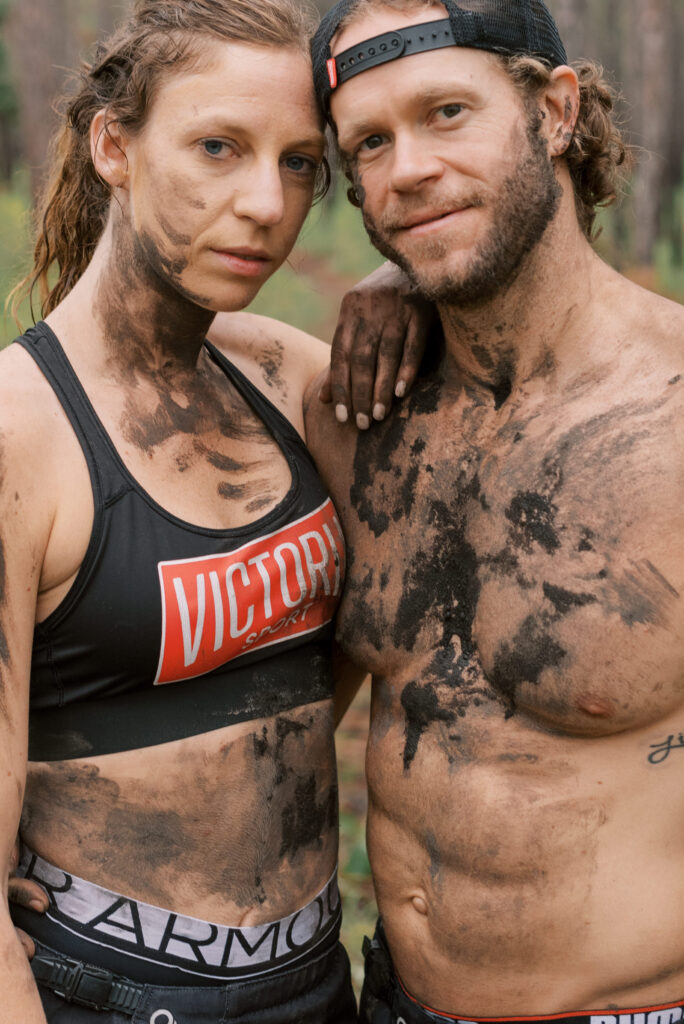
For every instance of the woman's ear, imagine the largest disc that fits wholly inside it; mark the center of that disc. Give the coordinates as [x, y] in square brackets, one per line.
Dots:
[561, 103]
[108, 145]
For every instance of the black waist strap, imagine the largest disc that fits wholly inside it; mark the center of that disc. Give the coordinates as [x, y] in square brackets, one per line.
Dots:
[86, 985]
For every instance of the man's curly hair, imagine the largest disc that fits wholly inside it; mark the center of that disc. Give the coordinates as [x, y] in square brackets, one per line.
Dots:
[598, 157]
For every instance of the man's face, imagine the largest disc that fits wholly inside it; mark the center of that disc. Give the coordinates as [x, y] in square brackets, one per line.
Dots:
[451, 170]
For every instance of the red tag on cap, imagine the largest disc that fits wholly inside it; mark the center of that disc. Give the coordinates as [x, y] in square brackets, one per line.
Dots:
[332, 72]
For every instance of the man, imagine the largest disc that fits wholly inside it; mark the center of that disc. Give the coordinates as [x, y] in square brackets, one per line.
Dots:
[515, 535]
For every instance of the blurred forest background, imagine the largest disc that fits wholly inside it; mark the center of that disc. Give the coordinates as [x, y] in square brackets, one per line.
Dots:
[639, 42]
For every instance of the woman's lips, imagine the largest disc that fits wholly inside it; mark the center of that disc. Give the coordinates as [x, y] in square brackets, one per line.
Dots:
[245, 262]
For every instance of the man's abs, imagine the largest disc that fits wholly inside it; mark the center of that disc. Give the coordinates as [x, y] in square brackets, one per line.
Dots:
[236, 826]
[520, 871]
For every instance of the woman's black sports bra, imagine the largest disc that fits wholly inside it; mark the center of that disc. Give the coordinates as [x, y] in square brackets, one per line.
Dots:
[170, 630]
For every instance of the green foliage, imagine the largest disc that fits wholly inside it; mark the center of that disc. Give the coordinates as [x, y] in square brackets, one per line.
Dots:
[334, 232]
[669, 254]
[14, 251]
[291, 295]
[8, 98]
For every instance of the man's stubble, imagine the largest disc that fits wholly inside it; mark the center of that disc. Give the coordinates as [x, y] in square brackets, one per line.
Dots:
[527, 202]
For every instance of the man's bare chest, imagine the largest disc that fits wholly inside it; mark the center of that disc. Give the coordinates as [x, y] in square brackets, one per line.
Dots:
[516, 562]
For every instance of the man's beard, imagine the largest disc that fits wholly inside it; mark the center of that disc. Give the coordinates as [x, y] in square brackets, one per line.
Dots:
[528, 201]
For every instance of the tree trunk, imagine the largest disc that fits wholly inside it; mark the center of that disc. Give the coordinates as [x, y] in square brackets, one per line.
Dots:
[40, 37]
[572, 18]
[110, 13]
[7, 149]
[656, 116]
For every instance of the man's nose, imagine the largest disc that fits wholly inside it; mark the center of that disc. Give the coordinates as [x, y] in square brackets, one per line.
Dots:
[414, 164]
[259, 195]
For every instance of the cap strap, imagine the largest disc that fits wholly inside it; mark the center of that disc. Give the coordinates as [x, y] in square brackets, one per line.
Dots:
[432, 35]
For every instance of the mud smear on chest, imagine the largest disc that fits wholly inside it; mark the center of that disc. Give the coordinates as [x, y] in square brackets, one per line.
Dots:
[440, 585]
[271, 362]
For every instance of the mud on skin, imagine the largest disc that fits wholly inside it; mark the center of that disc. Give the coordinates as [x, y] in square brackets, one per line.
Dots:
[525, 503]
[376, 453]
[276, 809]
[271, 362]
[140, 311]
[145, 281]
[439, 584]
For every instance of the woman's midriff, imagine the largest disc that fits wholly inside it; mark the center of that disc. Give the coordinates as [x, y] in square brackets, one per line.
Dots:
[236, 826]
[544, 875]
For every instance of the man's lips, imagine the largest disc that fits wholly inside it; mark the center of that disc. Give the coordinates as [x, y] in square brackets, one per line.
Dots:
[422, 223]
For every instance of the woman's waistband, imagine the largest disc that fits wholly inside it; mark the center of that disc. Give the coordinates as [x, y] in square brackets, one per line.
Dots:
[149, 943]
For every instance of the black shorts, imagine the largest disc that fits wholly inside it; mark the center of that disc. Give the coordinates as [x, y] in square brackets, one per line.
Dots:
[317, 991]
[385, 1001]
[103, 958]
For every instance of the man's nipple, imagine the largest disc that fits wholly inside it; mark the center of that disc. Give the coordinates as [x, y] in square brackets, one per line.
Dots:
[420, 904]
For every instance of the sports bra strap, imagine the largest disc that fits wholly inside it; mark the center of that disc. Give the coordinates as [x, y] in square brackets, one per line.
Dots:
[277, 423]
[103, 463]
[44, 347]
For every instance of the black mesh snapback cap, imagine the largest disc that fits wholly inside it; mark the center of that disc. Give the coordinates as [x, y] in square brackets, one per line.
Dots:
[509, 27]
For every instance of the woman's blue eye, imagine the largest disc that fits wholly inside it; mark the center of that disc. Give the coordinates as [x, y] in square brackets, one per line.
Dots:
[299, 164]
[214, 147]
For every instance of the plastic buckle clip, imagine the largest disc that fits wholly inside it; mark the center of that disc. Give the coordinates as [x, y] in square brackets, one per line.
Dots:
[88, 986]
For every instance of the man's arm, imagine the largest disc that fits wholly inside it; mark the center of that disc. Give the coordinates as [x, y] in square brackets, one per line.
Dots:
[377, 347]
[376, 352]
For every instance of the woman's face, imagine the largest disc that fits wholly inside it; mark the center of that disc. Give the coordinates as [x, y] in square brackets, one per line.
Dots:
[222, 176]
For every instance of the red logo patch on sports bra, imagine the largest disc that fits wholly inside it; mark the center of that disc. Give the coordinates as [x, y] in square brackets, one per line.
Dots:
[217, 607]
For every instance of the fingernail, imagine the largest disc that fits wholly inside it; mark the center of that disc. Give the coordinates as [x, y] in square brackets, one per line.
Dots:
[379, 411]
[400, 389]
[341, 413]
[36, 905]
[362, 421]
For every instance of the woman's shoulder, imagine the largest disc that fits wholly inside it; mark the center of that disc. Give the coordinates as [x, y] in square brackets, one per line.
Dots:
[30, 428]
[23, 391]
[278, 359]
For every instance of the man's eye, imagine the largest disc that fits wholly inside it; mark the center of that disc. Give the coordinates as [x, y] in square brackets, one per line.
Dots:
[451, 110]
[372, 142]
[214, 147]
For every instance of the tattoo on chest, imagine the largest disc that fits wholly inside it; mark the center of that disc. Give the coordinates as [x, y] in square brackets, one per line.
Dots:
[661, 751]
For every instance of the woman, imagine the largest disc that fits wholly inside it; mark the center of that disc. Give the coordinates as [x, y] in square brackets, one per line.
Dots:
[170, 560]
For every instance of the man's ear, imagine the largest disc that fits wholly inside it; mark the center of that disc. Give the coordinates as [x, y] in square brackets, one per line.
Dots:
[108, 145]
[560, 101]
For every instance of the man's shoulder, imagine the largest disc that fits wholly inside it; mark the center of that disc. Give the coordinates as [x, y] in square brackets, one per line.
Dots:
[647, 314]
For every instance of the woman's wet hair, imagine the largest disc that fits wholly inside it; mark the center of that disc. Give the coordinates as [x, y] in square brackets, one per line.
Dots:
[162, 37]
